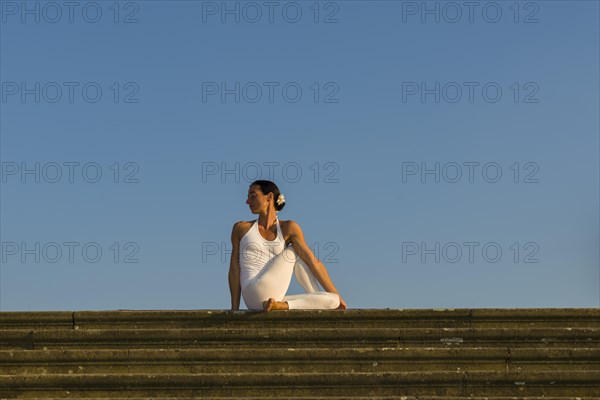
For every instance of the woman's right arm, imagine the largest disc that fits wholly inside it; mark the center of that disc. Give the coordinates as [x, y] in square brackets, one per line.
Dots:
[234, 270]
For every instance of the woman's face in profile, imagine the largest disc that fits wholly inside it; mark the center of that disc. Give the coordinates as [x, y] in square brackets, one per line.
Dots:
[256, 199]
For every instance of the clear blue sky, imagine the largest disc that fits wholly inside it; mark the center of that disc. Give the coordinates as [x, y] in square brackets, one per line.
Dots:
[384, 123]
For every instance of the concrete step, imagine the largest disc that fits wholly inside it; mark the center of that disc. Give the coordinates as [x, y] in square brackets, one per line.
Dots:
[554, 383]
[346, 397]
[411, 354]
[371, 318]
[386, 359]
[37, 338]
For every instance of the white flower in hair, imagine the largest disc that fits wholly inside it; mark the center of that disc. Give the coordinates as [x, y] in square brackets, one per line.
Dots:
[280, 199]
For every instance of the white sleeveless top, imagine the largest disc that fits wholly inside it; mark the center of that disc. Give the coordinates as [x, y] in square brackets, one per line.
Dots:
[256, 252]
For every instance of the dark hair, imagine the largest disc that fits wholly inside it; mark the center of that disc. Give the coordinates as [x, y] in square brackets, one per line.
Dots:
[269, 187]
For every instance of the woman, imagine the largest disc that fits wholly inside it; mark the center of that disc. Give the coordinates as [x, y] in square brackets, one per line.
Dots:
[262, 263]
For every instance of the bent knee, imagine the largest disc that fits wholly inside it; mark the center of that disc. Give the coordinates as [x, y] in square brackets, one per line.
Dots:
[334, 300]
[289, 254]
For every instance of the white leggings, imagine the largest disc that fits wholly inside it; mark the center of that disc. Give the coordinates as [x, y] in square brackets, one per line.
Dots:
[274, 280]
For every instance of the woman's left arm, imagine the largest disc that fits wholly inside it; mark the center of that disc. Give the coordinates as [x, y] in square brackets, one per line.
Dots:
[304, 252]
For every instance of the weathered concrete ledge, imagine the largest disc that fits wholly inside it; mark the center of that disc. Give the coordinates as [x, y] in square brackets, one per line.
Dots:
[410, 354]
[157, 316]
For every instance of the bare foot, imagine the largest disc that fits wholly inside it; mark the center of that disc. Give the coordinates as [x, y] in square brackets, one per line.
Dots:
[271, 304]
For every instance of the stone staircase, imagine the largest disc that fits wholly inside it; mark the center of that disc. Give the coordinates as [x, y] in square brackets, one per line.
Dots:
[411, 354]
